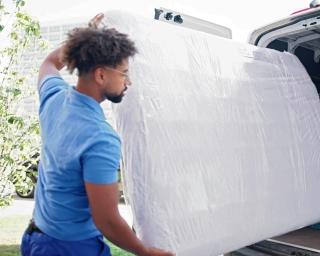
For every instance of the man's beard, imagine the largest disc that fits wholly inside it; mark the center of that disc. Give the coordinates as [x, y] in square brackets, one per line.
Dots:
[115, 98]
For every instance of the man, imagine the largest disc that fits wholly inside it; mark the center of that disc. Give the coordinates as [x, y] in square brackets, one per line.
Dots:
[77, 194]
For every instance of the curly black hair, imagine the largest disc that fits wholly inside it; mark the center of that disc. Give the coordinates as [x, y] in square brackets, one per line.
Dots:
[88, 48]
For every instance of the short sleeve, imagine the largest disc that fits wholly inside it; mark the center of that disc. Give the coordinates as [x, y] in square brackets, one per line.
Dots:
[102, 160]
[49, 86]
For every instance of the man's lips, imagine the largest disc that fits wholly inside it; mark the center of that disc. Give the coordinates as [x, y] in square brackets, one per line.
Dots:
[125, 89]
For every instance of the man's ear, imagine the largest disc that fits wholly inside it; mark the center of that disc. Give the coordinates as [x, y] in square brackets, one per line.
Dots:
[99, 76]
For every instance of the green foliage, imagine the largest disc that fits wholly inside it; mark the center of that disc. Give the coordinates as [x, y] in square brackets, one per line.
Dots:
[19, 133]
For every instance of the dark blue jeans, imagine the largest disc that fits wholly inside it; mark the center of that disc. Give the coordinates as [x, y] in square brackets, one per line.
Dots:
[40, 244]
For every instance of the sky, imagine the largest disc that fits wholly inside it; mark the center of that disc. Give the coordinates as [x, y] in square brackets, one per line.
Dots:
[241, 16]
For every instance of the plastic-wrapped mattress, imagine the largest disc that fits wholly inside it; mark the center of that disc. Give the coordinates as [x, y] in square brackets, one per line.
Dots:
[221, 140]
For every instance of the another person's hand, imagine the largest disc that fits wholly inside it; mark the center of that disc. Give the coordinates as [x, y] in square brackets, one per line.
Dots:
[96, 20]
[151, 251]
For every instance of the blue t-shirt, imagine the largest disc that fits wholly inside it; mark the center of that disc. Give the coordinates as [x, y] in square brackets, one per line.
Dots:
[78, 145]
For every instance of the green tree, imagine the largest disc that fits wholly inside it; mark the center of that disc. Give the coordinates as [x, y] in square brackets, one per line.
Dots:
[19, 133]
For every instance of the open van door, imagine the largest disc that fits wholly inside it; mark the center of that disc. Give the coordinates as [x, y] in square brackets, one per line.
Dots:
[298, 34]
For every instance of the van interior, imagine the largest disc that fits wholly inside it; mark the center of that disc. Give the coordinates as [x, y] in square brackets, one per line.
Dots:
[307, 51]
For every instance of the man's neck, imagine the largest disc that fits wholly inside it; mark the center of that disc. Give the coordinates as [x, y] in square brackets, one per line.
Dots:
[85, 86]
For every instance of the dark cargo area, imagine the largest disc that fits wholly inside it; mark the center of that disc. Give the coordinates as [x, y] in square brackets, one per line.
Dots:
[305, 55]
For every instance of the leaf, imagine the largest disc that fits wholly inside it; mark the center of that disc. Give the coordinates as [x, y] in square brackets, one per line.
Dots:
[14, 35]
[1, 27]
[16, 92]
[16, 120]
[20, 3]
[8, 159]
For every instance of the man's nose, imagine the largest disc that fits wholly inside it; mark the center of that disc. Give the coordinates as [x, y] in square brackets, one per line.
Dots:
[128, 82]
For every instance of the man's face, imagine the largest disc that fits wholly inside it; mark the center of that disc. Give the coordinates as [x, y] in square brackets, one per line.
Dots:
[117, 82]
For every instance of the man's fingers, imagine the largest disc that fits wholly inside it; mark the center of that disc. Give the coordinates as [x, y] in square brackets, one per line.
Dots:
[96, 20]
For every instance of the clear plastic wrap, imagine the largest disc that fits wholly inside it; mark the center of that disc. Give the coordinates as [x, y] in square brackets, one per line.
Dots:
[221, 140]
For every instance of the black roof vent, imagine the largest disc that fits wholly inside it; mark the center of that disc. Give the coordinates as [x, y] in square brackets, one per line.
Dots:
[315, 3]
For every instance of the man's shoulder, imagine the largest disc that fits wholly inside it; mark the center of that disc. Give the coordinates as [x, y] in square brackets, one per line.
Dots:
[104, 128]
[49, 86]
[101, 132]
[49, 81]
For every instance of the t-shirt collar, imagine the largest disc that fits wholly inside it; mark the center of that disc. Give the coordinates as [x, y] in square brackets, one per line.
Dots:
[87, 100]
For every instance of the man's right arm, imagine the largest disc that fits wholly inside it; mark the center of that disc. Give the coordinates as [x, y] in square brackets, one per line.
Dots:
[103, 201]
[51, 65]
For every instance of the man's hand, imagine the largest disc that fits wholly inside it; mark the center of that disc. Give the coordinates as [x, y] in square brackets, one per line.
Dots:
[96, 21]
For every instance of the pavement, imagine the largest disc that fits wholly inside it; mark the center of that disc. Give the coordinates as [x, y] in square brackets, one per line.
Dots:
[22, 206]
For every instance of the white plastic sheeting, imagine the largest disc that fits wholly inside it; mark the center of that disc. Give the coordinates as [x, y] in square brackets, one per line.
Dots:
[221, 140]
